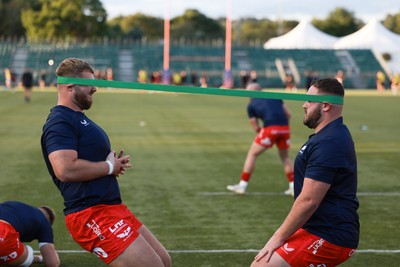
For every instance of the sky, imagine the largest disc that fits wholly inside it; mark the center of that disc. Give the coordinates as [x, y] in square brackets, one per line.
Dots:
[271, 9]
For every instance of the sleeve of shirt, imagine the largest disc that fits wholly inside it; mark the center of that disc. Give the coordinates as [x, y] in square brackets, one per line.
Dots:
[45, 233]
[250, 111]
[322, 162]
[61, 135]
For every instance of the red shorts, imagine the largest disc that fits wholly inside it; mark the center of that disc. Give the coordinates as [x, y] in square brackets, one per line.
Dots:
[305, 249]
[104, 230]
[279, 135]
[10, 246]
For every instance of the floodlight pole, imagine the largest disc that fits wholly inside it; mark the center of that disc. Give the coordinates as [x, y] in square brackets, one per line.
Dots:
[166, 72]
[228, 79]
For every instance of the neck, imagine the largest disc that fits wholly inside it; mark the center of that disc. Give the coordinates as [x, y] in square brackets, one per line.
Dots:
[325, 122]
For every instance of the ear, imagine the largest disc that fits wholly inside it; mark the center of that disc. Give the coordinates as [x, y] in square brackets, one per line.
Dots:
[70, 87]
[326, 106]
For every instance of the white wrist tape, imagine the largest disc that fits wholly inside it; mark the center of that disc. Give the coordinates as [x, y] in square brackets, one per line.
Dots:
[110, 167]
[29, 259]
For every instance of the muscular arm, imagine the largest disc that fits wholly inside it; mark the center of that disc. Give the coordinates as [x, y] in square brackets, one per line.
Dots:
[254, 124]
[287, 111]
[68, 168]
[303, 208]
[50, 256]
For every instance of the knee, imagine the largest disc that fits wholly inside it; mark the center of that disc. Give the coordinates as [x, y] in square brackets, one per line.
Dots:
[167, 260]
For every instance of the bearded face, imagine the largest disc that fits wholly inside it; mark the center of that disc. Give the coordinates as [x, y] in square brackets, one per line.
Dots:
[312, 115]
[312, 110]
[82, 96]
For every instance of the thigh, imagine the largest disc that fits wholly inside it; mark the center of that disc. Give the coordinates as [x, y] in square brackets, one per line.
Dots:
[275, 261]
[156, 245]
[138, 254]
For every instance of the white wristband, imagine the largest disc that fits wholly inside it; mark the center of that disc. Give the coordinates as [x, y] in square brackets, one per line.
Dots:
[110, 167]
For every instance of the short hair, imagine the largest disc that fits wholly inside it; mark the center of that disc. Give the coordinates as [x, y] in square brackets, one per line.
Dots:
[329, 86]
[73, 67]
[50, 212]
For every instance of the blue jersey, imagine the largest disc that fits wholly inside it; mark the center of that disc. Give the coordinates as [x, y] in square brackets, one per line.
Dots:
[66, 129]
[28, 221]
[270, 111]
[329, 156]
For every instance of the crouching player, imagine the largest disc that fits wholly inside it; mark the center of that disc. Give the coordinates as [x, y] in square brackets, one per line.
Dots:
[19, 223]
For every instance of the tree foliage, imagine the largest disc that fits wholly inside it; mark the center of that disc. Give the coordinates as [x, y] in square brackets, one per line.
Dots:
[196, 26]
[41, 20]
[65, 19]
[10, 16]
[138, 26]
[249, 30]
[392, 22]
[339, 22]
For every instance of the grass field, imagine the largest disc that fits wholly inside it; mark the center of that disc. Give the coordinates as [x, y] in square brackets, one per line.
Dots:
[185, 150]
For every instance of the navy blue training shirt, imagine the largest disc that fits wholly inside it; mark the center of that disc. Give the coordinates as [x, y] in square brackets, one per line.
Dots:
[66, 129]
[270, 111]
[329, 156]
[28, 221]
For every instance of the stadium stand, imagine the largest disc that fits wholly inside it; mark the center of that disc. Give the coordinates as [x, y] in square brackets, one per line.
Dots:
[360, 65]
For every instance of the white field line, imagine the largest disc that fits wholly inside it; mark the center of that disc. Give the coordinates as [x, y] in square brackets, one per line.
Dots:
[370, 194]
[391, 251]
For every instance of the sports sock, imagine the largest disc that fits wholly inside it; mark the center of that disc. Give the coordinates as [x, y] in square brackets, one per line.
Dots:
[245, 176]
[290, 176]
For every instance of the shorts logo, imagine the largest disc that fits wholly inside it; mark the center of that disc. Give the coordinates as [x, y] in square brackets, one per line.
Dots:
[352, 252]
[121, 229]
[13, 255]
[117, 226]
[316, 245]
[99, 252]
[96, 229]
[318, 265]
[287, 249]
[266, 141]
[124, 233]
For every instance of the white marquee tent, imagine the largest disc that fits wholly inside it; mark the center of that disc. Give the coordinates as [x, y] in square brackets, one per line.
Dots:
[303, 36]
[372, 36]
[379, 39]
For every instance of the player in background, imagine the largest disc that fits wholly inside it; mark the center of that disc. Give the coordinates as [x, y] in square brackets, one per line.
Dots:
[85, 169]
[20, 222]
[275, 131]
[322, 227]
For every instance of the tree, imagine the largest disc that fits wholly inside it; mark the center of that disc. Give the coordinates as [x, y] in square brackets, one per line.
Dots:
[249, 30]
[138, 26]
[339, 22]
[10, 16]
[392, 22]
[56, 19]
[196, 26]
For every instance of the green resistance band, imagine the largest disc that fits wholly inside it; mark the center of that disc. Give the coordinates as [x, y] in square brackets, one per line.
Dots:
[200, 90]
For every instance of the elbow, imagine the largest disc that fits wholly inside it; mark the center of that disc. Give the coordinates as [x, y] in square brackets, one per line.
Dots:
[312, 205]
[63, 175]
[53, 263]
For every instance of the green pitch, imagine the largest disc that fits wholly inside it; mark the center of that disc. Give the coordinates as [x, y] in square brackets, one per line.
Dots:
[185, 149]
